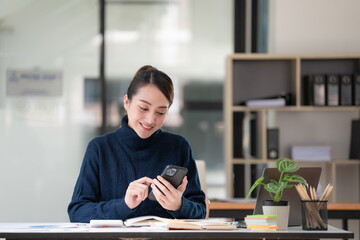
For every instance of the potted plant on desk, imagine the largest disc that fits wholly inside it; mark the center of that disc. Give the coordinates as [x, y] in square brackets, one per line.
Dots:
[275, 188]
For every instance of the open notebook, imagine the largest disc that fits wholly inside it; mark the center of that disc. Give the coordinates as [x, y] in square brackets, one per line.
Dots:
[311, 175]
[155, 221]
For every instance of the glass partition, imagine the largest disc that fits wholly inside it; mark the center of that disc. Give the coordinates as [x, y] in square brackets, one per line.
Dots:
[49, 102]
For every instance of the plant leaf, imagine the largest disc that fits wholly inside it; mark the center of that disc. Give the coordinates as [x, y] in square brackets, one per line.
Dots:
[256, 183]
[287, 165]
[294, 178]
[273, 181]
[275, 187]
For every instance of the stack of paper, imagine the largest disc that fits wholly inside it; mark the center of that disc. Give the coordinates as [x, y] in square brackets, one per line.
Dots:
[261, 222]
[310, 153]
[275, 102]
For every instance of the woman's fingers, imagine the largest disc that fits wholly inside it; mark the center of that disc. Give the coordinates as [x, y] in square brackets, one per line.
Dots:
[137, 192]
[144, 180]
[168, 196]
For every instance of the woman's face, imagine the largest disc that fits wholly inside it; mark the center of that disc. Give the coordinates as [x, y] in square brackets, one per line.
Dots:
[147, 110]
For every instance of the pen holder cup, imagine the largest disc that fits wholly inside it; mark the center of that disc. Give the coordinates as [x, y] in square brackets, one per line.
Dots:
[314, 215]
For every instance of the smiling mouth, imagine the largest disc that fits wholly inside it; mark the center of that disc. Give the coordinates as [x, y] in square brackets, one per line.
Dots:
[146, 127]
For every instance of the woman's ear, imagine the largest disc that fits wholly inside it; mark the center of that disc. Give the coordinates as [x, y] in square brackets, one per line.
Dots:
[126, 102]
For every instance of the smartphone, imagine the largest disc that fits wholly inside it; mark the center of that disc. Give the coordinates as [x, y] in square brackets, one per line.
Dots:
[174, 175]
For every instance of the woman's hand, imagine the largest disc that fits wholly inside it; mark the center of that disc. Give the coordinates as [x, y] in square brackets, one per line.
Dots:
[170, 199]
[137, 192]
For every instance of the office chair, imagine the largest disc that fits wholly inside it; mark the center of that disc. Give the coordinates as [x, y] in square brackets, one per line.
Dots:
[201, 167]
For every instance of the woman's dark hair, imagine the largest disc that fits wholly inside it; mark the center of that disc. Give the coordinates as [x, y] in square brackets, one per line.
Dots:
[149, 75]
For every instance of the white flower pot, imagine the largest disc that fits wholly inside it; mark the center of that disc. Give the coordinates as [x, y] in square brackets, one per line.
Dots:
[281, 211]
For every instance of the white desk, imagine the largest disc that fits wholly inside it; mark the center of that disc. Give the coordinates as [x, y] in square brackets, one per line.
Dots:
[65, 231]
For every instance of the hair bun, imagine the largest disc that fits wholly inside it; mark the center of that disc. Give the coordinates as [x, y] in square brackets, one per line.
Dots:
[147, 68]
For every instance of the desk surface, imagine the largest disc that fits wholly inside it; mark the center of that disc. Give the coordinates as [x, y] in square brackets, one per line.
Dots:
[222, 205]
[347, 208]
[20, 231]
[239, 210]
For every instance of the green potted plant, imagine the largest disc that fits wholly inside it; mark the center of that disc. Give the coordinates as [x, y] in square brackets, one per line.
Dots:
[276, 187]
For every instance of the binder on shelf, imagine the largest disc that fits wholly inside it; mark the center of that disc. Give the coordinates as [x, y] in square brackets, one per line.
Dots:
[315, 89]
[272, 143]
[356, 90]
[244, 146]
[345, 89]
[355, 140]
[244, 135]
[332, 90]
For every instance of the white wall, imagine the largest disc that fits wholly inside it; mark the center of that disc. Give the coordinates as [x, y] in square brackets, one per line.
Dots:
[42, 139]
[308, 26]
[320, 27]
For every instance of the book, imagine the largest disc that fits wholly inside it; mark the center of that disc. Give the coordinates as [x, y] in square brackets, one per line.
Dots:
[269, 229]
[201, 225]
[260, 220]
[146, 221]
[262, 226]
[261, 217]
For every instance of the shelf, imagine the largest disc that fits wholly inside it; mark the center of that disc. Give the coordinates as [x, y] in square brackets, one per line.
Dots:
[262, 56]
[333, 161]
[346, 161]
[250, 161]
[267, 161]
[263, 76]
[295, 108]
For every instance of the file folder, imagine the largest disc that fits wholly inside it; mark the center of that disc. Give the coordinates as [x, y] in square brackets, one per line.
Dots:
[356, 90]
[332, 90]
[315, 90]
[345, 89]
[355, 140]
[272, 143]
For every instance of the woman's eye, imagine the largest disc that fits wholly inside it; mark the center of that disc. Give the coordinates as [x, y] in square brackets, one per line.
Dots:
[143, 109]
[161, 113]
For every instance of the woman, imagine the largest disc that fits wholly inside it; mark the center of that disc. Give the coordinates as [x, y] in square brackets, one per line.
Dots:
[119, 168]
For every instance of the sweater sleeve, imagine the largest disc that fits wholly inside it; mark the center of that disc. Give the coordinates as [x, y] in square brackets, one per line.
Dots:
[193, 200]
[85, 203]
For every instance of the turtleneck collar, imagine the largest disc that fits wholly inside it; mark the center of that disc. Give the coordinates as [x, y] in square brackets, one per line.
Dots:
[132, 139]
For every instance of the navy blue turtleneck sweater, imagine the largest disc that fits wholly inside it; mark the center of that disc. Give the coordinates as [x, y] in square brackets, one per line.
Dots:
[114, 160]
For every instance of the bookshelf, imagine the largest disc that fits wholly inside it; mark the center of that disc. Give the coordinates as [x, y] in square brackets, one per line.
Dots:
[257, 76]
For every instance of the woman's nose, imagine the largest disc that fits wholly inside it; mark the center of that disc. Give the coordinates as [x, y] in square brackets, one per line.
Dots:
[150, 118]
